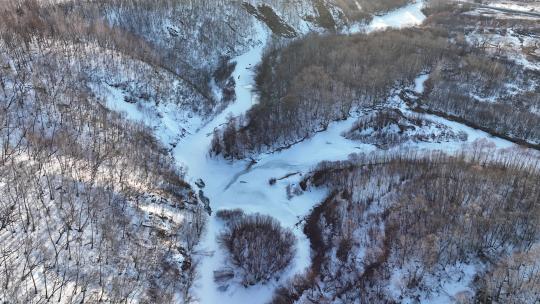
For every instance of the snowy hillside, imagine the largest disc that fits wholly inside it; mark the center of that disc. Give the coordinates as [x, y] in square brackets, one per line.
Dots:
[312, 151]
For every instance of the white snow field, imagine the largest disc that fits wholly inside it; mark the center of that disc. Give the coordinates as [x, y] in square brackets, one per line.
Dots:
[409, 15]
[233, 185]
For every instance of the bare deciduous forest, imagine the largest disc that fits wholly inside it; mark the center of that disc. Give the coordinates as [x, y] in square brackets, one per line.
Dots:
[81, 219]
[319, 79]
[417, 217]
[307, 151]
[484, 86]
[257, 246]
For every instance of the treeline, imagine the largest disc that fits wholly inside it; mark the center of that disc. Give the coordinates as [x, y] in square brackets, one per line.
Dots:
[150, 31]
[81, 220]
[420, 217]
[485, 86]
[307, 84]
[386, 128]
[320, 79]
[351, 11]
[476, 89]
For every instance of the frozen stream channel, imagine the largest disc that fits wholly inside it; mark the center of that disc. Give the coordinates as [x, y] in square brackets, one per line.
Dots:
[227, 188]
[230, 185]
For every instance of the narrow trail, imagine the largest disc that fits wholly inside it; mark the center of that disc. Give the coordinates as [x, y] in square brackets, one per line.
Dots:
[237, 175]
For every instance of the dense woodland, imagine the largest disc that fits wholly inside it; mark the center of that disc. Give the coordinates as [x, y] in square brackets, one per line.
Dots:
[464, 88]
[258, 248]
[319, 79]
[74, 205]
[485, 86]
[81, 220]
[311, 82]
[419, 217]
[140, 30]
[94, 207]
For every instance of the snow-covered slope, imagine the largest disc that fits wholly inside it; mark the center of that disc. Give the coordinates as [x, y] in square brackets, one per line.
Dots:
[187, 131]
[245, 184]
[410, 15]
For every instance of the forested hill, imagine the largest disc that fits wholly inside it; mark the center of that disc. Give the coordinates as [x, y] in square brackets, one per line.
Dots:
[93, 205]
[307, 151]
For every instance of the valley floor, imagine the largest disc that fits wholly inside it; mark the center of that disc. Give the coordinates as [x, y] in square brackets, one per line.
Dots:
[245, 185]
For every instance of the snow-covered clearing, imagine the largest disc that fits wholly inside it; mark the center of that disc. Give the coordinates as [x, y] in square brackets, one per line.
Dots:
[406, 16]
[231, 185]
[409, 15]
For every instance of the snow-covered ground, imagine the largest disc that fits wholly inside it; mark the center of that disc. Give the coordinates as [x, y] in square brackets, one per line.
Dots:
[525, 10]
[510, 44]
[232, 185]
[516, 5]
[409, 15]
[164, 118]
[513, 5]
[473, 135]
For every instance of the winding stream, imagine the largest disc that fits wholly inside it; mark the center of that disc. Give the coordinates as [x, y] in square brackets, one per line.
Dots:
[239, 185]
[231, 185]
